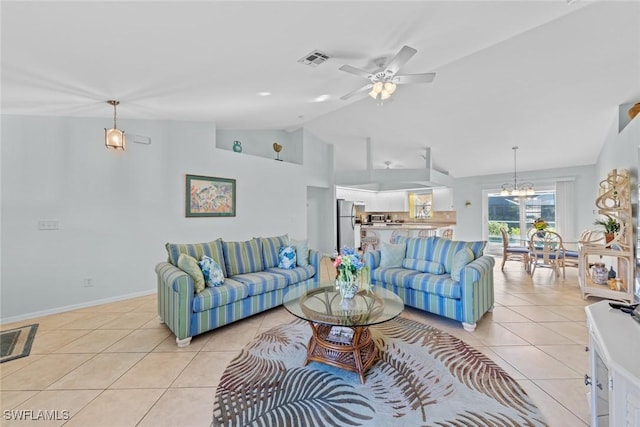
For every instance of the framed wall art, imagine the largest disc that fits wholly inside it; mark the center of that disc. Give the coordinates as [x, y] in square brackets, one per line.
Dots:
[209, 196]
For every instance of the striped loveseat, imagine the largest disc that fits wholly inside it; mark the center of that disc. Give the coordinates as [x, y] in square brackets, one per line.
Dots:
[445, 277]
[252, 283]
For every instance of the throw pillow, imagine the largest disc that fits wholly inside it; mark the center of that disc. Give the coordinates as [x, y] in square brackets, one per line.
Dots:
[189, 265]
[392, 255]
[244, 257]
[463, 257]
[302, 252]
[270, 247]
[196, 250]
[287, 256]
[212, 272]
[423, 266]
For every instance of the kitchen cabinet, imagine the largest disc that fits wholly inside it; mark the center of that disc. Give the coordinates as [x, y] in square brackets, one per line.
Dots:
[614, 369]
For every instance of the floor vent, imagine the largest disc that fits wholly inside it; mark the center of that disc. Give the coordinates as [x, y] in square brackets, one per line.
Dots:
[314, 58]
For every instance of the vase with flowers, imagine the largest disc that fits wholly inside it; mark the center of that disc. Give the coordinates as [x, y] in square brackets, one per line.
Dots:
[349, 265]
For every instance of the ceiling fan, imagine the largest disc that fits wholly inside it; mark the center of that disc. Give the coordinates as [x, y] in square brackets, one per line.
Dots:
[383, 80]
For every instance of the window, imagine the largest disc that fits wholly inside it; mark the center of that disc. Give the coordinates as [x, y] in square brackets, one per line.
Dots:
[517, 214]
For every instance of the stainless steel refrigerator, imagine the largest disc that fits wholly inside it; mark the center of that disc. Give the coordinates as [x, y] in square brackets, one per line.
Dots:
[346, 224]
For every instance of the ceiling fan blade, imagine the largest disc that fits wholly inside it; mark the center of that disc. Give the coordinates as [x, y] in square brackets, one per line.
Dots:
[399, 60]
[364, 89]
[414, 78]
[356, 71]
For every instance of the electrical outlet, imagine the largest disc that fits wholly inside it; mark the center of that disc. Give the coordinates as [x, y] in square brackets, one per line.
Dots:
[87, 282]
[48, 225]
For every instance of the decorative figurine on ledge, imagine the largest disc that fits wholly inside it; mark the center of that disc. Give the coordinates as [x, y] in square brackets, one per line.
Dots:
[237, 146]
[277, 148]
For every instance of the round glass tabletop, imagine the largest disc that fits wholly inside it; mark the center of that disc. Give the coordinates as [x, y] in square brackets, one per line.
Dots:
[322, 303]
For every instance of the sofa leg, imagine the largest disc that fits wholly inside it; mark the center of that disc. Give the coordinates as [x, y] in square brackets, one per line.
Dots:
[183, 343]
[161, 320]
[469, 327]
[490, 310]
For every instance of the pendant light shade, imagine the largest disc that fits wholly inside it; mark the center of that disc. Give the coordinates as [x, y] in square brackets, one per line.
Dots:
[114, 138]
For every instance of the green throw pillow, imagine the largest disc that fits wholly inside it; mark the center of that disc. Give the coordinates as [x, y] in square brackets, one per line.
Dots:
[391, 255]
[302, 252]
[463, 257]
[189, 265]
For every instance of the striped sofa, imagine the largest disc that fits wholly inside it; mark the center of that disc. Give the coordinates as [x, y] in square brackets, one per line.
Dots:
[445, 277]
[252, 284]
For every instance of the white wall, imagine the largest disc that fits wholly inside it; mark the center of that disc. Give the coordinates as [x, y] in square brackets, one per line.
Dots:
[117, 210]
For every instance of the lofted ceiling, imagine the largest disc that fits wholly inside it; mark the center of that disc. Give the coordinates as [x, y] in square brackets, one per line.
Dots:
[547, 76]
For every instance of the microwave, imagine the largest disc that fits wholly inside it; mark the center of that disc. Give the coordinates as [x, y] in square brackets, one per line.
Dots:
[376, 218]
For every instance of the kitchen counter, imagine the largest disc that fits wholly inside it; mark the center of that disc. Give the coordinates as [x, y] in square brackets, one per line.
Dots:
[384, 230]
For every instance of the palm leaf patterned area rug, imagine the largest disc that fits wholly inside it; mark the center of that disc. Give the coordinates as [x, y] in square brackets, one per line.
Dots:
[425, 377]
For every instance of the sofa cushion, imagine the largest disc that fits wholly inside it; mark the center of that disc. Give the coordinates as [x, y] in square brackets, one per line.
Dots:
[419, 248]
[439, 284]
[295, 275]
[270, 247]
[302, 252]
[261, 282]
[243, 257]
[211, 270]
[287, 257]
[463, 257]
[211, 249]
[393, 276]
[444, 250]
[189, 265]
[217, 296]
[391, 255]
[423, 266]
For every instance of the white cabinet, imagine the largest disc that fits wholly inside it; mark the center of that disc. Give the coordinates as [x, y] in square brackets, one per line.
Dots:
[614, 378]
[391, 201]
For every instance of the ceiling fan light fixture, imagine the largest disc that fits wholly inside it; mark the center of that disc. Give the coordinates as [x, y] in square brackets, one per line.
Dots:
[373, 94]
[114, 138]
[390, 87]
[384, 95]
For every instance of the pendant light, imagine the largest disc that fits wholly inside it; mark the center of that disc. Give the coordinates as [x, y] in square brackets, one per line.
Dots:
[515, 189]
[114, 138]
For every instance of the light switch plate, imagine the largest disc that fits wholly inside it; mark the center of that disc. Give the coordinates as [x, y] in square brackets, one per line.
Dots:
[48, 225]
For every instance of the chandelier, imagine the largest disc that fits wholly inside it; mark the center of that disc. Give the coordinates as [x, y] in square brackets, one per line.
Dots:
[515, 189]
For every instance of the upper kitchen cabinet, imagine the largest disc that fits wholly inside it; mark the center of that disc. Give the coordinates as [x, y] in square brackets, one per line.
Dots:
[390, 201]
[442, 199]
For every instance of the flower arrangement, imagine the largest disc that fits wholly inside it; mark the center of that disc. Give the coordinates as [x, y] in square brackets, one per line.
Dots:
[348, 264]
[540, 224]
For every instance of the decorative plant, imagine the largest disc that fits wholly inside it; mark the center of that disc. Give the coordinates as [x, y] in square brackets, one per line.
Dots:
[540, 224]
[348, 264]
[609, 223]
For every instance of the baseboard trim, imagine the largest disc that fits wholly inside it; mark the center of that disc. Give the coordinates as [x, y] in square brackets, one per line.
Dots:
[75, 306]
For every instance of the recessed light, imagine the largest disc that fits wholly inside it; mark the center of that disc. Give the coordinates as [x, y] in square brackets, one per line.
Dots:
[321, 98]
[264, 94]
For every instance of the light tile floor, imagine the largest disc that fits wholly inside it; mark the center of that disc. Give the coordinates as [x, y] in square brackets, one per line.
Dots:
[116, 365]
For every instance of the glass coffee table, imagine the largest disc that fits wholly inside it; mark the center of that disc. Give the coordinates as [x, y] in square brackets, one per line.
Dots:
[340, 328]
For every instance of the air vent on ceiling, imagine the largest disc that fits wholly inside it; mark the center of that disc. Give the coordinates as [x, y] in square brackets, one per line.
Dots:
[314, 58]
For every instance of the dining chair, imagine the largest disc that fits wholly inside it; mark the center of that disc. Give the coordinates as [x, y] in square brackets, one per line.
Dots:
[447, 233]
[428, 232]
[572, 258]
[546, 250]
[369, 241]
[396, 234]
[513, 253]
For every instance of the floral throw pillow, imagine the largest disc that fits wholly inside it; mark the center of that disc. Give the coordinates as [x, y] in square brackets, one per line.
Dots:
[287, 257]
[213, 275]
